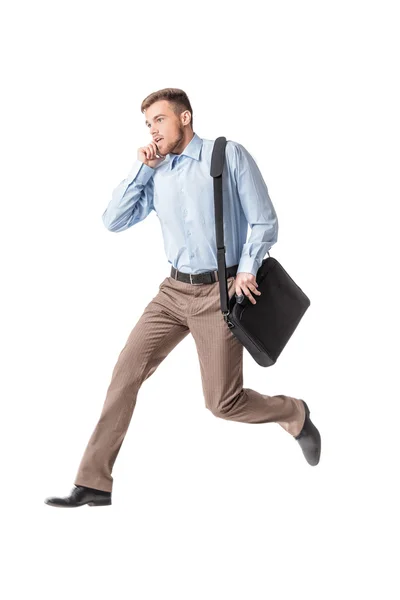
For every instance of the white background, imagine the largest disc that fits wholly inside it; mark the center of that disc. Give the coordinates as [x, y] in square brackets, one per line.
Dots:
[202, 508]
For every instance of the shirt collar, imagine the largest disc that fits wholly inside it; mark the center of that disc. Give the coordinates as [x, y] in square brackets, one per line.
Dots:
[193, 149]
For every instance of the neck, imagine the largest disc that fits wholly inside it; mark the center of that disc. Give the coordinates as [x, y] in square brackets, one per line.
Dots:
[187, 138]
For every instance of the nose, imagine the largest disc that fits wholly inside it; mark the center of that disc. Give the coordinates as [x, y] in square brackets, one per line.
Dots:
[153, 131]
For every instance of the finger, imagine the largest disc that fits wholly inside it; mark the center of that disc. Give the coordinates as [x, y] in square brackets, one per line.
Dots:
[251, 287]
[151, 151]
[240, 291]
[252, 300]
[250, 295]
[254, 290]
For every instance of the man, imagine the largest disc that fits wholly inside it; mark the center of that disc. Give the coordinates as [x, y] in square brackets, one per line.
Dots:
[172, 177]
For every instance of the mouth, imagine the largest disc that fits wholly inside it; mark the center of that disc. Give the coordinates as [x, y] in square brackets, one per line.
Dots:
[157, 140]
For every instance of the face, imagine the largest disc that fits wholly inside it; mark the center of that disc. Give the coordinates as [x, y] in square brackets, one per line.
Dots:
[162, 122]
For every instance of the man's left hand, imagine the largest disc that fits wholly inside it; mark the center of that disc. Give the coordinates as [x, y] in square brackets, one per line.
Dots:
[245, 283]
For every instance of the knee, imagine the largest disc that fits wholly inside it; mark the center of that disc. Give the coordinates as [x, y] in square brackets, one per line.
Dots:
[223, 407]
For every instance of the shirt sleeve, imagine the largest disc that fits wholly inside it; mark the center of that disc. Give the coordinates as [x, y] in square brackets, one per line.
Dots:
[132, 199]
[258, 209]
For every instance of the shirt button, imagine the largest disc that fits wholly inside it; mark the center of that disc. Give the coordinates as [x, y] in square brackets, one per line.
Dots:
[189, 233]
[192, 255]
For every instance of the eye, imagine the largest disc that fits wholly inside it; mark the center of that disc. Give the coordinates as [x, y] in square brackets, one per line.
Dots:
[159, 118]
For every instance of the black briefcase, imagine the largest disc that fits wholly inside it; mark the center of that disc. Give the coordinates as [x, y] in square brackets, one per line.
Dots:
[263, 328]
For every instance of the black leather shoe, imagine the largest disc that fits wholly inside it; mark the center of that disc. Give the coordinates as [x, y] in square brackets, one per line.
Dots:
[309, 439]
[81, 495]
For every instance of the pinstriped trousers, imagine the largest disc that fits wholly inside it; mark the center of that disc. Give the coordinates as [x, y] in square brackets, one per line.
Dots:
[177, 309]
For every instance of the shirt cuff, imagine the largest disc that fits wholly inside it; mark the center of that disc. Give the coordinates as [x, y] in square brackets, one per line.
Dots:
[248, 265]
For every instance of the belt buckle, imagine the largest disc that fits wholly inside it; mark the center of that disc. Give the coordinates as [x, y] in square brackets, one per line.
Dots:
[190, 277]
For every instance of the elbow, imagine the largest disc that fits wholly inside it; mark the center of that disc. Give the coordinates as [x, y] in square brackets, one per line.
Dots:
[116, 225]
[106, 222]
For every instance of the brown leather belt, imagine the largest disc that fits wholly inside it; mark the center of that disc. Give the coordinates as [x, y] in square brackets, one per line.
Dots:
[199, 278]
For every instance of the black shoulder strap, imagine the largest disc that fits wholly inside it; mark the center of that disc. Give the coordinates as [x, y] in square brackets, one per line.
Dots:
[217, 167]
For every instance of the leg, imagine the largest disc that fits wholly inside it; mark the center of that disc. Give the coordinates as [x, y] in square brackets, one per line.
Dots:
[156, 333]
[221, 366]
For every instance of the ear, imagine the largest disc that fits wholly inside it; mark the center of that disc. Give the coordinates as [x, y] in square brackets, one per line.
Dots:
[186, 117]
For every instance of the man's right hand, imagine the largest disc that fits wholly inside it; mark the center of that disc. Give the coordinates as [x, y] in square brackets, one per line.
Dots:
[147, 155]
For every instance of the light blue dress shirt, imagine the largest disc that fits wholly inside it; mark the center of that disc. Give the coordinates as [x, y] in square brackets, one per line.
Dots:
[181, 192]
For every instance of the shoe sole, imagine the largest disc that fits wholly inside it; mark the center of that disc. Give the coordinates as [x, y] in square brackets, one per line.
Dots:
[308, 412]
[105, 502]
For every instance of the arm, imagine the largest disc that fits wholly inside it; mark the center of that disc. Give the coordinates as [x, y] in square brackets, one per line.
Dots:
[258, 209]
[132, 199]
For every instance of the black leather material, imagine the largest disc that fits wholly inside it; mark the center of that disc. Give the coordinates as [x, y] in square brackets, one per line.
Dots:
[265, 328]
[199, 278]
[309, 439]
[218, 157]
[79, 496]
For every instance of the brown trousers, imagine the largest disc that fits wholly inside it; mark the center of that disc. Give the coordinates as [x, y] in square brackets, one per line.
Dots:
[177, 309]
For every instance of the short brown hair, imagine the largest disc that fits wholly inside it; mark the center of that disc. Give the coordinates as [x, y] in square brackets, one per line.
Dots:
[178, 99]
